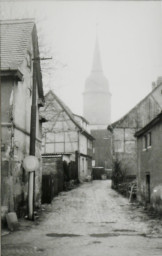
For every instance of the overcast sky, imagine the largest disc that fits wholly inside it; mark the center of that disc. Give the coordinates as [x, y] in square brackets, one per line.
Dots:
[130, 38]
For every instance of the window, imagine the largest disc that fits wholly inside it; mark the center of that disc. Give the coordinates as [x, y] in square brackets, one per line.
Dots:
[93, 163]
[149, 139]
[145, 142]
[83, 164]
[89, 144]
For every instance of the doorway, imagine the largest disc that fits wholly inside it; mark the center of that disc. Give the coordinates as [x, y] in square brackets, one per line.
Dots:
[147, 188]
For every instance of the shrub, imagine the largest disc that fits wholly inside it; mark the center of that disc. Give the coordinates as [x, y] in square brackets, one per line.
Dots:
[118, 174]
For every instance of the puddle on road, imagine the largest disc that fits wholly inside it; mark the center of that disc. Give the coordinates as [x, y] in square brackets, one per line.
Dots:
[22, 249]
[96, 242]
[108, 222]
[124, 230]
[104, 235]
[62, 235]
[40, 249]
[126, 234]
[102, 222]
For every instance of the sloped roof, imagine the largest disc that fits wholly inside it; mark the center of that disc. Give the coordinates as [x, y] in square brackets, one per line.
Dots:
[14, 40]
[118, 122]
[70, 114]
[153, 122]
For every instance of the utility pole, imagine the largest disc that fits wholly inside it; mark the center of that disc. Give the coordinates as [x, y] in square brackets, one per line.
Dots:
[31, 184]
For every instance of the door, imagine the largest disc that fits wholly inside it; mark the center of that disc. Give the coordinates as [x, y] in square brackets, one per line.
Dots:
[147, 188]
[47, 189]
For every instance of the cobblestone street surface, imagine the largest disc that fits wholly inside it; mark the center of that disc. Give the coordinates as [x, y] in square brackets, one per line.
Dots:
[90, 220]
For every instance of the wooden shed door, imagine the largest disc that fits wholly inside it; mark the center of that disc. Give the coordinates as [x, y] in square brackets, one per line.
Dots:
[47, 189]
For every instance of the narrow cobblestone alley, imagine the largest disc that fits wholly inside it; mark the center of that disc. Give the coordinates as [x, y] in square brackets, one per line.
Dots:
[91, 220]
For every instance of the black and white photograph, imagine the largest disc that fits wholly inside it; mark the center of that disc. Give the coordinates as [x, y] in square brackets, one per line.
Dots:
[81, 127]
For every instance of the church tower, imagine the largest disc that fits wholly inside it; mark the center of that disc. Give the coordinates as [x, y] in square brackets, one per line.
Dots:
[96, 96]
[97, 111]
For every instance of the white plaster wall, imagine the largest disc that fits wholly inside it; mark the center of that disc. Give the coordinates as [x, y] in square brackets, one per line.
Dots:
[83, 144]
[83, 172]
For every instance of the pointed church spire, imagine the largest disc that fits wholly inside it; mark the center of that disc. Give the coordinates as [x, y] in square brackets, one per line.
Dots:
[97, 65]
[97, 98]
